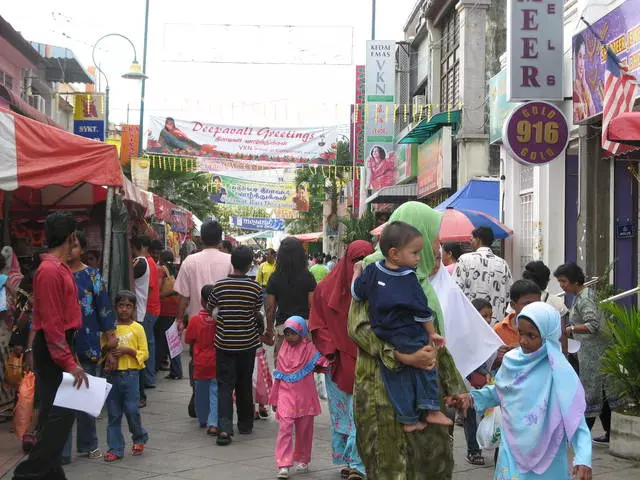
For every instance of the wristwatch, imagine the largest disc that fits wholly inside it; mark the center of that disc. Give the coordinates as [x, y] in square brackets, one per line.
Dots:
[28, 350]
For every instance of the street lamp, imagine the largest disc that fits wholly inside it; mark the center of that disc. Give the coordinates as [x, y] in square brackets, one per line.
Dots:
[135, 72]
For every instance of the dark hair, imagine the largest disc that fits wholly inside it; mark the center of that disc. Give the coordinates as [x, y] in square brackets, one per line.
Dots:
[397, 235]
[3, 262]
[58, 227]
[481, 303]
[485, 235]
[227, 245]
[572, 271]
[216, 177]
[383, 153]
[125, 295]
[166, 256]
[454, 248]
[301, 185]
[241, 258]
[579, 42]
[537, 272]
[520, 288]
[82, 239]
[291, 261]
[211, 233]
[95, 253]
[140, 242]
[169, 119]
[156, 246]
[270, 251]
[205, 293]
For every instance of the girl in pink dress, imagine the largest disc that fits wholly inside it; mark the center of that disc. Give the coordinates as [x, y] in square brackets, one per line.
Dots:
[294, 397]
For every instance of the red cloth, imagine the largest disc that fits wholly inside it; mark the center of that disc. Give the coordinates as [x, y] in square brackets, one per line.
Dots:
[56, 308]
[329, 312]
[153, 302]
[201, 332]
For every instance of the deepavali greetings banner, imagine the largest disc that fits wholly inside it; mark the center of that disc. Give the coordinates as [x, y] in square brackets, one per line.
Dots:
[258, 224]
[196, 138]
[252, 193]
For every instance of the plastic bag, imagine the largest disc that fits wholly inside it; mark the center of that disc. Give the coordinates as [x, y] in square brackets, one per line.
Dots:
[13, 370]
[262, 379]
[23, 413]
[489, 429]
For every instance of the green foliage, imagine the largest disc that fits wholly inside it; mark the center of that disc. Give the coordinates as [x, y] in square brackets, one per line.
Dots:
[621, 361]
[358, 228]
[186, 189]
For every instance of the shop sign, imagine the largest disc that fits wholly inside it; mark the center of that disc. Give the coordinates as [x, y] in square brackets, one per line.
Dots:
[499, 107]
[536, 133]
[625, 230]
[405, 162]
[380, 71]
[434, 163]
[619, 30]
[258, 224]
[89, 106]
[92, 129]
[534, 50]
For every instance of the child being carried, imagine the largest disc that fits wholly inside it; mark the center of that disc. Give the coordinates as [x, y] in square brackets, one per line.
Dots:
[400, 315]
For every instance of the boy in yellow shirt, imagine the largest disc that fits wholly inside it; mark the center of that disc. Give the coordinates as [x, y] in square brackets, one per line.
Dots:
[131, 353]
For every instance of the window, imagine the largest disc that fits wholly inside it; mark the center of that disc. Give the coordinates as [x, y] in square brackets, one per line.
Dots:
[450, 62]
[527, 234]
[6, 80]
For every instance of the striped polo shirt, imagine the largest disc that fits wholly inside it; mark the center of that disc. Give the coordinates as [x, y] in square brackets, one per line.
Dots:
[238, 298]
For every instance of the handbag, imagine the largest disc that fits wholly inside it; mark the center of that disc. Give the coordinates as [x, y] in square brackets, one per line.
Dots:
[169, 281]
[13, 370]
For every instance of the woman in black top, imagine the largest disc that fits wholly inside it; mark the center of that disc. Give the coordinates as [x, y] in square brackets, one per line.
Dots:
[289, 290]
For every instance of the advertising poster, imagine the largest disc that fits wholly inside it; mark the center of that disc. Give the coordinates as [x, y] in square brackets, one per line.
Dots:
[130, 138]
[258, 224]
[620, 30]
[434, 163]
[140, 172]
[499, 106]
[88, 116]
[171, 136]
[252, 193]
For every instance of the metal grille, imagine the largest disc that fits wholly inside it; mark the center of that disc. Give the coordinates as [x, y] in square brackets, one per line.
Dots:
[526, 229]
[450, 62]
[403, 99]
[526, 179]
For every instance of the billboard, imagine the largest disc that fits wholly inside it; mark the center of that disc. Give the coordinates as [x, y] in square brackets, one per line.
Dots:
[434, 163]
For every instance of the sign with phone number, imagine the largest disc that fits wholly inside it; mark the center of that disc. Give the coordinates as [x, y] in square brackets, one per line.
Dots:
[536, 133]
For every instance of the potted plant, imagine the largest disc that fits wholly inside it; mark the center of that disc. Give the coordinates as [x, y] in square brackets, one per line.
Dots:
[621, 364]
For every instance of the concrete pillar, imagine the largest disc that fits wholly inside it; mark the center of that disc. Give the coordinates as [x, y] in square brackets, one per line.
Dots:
[472, 139]
[594, 223]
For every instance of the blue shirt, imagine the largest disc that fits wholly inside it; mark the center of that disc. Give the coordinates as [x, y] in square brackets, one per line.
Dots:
[397, 303]
[97, 313]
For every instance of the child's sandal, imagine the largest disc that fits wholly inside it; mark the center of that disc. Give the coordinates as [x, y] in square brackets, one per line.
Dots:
[111, 457]
[212, 431]
[137, 449]
[345, 472]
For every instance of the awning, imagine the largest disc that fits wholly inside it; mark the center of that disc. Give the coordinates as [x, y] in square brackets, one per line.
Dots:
[61, 64]
[427, 127]
[481, 195]
[308, 237]
[625, 128]
[394, 194]
[36, 155]
[15, 103]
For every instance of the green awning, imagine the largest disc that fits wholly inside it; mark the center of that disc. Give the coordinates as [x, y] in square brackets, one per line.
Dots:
[426, 128]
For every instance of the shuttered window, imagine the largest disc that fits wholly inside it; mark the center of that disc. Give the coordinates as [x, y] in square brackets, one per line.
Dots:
[450, 62]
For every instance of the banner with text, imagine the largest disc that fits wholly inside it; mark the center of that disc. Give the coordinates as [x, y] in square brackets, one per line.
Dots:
[194, 138]
[239, 191]
[258, 224]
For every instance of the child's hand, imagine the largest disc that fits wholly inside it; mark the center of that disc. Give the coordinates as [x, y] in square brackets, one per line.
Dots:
[489, 378]
[581, 472]
[438, 340]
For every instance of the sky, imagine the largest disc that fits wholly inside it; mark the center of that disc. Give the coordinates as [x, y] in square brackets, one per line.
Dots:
[244, 62]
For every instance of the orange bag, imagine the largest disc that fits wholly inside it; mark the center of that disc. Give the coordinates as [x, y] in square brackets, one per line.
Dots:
[23, 413]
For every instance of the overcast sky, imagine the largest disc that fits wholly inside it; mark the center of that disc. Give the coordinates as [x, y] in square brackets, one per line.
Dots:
[332, 32]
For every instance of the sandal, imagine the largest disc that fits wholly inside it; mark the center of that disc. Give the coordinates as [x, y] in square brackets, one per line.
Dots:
[345, 472]
[212, 431]
[355, 475]
[475, 459]
[137, 449]
[142, 403]
[28, 441]
[111, 457]
[93, 454]
[223, 439]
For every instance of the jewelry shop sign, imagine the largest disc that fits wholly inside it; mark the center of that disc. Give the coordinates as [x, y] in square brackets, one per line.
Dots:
[534, 50]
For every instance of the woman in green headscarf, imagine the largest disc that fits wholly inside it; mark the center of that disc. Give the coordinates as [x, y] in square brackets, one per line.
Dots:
[387, 452]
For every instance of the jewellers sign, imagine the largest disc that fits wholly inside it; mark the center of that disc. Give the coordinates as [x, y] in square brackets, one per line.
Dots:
[534, 50]
[380, 77]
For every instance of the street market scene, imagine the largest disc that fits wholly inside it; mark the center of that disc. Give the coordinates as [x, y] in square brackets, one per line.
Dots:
[375, 239]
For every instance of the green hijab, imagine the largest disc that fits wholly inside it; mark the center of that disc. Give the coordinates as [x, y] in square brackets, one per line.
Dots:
[427, 221]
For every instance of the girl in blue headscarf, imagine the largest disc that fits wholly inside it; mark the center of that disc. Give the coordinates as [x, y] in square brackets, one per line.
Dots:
[542, 403]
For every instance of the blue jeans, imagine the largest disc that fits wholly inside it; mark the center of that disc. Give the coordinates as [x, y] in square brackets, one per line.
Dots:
[149, 372]
[123, 399]
[86, 436]
[207, 402]
[175, 366]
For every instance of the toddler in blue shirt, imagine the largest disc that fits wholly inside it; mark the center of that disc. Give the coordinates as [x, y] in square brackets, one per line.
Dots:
[400, 315]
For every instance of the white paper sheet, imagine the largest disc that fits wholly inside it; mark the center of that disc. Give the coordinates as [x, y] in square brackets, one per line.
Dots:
[89, 400]
[174, 340]
[573, 345]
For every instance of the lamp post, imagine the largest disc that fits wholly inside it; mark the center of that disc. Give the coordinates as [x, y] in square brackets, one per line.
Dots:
[135, 73]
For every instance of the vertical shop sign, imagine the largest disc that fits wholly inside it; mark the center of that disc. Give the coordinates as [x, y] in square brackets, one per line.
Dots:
[88, 116]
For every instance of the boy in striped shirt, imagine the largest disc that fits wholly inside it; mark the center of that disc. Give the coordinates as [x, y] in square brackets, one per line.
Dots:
[238, 300]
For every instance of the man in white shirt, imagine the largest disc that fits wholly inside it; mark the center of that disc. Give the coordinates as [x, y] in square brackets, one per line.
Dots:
[482, 274]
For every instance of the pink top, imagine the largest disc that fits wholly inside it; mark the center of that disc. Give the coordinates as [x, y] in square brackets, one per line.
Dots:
[451, 268]
[203, 268]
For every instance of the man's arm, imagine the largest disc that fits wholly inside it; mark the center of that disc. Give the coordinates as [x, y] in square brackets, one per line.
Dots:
[183, 303]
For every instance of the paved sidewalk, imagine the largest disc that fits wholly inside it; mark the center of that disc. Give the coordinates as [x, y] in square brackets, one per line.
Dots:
[179, 450]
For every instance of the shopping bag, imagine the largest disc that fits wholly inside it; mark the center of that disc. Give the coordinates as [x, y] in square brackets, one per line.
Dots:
[13, 370]
[262, 379]
[23, 412]
[488, 435]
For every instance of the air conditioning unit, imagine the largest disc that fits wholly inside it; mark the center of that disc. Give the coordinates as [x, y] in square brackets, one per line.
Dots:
[37, 102]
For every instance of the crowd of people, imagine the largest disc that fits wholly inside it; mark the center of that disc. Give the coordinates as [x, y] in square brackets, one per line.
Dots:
[373, 323]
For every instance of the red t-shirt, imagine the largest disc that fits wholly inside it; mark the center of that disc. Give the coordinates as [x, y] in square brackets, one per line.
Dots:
[168, 305]
[201, 332]
[153, 302]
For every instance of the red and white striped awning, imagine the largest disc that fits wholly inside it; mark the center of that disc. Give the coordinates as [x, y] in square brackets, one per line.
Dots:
[36, 155]
[308, 237]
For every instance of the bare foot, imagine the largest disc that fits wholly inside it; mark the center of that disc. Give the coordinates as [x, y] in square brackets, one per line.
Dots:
[438, 418]
[421, 426]
[410, 428]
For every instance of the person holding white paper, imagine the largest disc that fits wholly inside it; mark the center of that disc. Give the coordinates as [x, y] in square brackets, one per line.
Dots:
[132, 352]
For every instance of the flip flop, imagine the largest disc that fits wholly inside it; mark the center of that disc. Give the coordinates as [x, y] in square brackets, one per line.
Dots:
[475, 459]
[223, 439]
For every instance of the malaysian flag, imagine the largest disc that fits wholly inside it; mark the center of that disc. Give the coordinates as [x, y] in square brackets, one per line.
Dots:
[619, 97]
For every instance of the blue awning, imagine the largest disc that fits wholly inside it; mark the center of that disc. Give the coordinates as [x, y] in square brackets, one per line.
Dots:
[481, 195]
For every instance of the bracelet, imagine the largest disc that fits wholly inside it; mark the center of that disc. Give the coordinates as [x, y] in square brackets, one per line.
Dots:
[573, 329]
[28, 350]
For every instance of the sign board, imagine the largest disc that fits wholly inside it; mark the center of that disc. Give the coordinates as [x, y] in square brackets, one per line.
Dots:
[405, 164]
[434, 163]
[625, 230]
[258, 224]
[534, 50]
[620, 30]
[499, 107]
[536, 133]
[380, 77]
[174, 340]
[93, 129]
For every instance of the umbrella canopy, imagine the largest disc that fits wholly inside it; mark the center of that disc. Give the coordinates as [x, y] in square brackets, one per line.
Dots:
[625, 128]
[457, 225]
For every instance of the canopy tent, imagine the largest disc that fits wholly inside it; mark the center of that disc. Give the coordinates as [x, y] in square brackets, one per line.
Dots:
[481, 195]
[308, 237]
[625, 128]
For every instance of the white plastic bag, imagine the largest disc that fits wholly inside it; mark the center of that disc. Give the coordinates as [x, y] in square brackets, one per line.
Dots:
[489, 429]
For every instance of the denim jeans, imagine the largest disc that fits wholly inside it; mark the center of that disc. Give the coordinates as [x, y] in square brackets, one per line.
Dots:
[149, 372]
[175, 366]
[470, 430]
[123, 400]
[207, 402]
[86, 436]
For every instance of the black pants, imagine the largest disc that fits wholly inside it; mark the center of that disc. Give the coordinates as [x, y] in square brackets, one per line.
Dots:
[162, 347]
[470, 430]
[235, 371]
[54, 423]
[605, 418]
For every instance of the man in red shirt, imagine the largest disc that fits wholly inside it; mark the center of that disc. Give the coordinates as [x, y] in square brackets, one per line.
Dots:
[56, 317]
